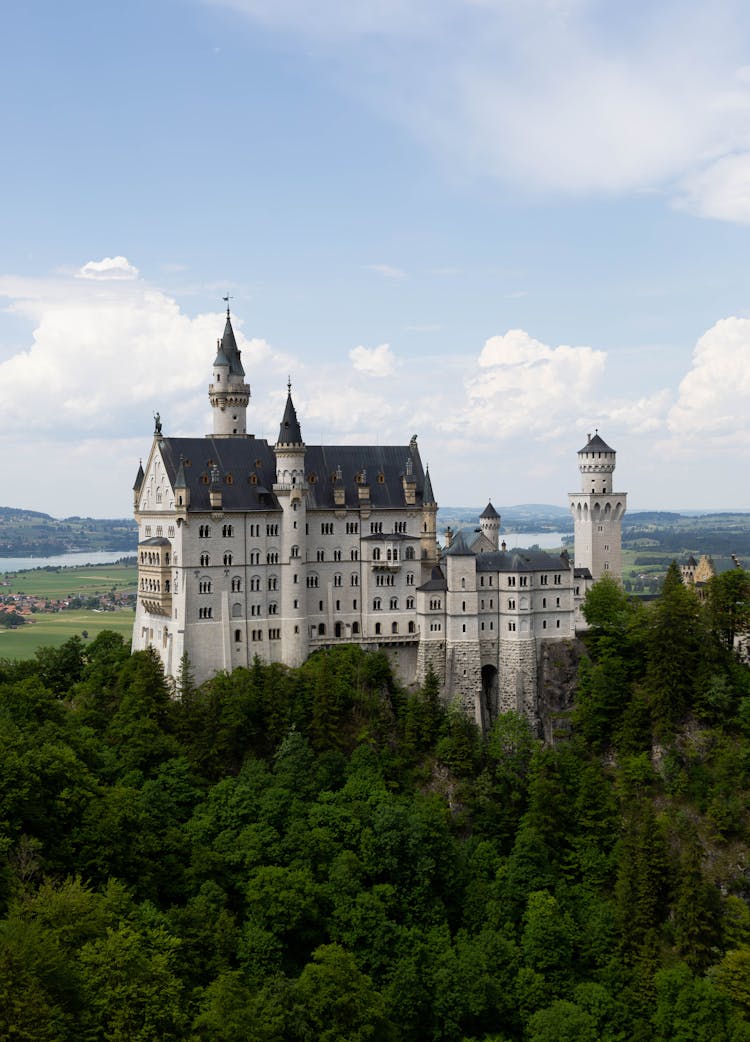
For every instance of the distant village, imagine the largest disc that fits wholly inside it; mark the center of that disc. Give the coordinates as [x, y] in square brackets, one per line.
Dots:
[17, 608]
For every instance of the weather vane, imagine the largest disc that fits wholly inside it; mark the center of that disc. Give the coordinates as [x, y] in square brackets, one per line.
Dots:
[226, 300]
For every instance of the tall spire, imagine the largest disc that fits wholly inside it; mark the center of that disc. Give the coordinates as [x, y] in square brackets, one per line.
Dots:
[289, 431]
[428, 496]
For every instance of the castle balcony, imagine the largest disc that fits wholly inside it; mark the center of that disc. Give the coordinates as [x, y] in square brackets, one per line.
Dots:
[364, 640]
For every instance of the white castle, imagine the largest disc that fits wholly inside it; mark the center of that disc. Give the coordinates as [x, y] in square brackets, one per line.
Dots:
[247, 548]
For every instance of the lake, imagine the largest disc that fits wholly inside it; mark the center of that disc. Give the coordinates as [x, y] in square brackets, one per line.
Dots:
[20, 564]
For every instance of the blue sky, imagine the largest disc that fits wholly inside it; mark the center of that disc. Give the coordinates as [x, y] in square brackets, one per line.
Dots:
[496, 224]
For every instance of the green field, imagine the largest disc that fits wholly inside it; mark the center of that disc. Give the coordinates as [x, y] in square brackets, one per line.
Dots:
[84, 581]
[52, 629]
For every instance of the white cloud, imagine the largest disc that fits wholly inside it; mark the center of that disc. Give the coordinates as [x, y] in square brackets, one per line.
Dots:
[713, 403]
[721, 190]
[108, 268]
[374, 361]
[573, 97]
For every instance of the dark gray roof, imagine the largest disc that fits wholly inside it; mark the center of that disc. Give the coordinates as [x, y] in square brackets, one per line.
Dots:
[180, 480]
[460, 546]
[692, 561]
[155, 540]
[489, 511]
[582, 573]
[596, 444]
[221, 358]
[289, 431]
[139, 478]
[435, 582]
[242, 459]
[383, 465]
[428, 495]
[229, 347]
[239, 461]
[521, 561]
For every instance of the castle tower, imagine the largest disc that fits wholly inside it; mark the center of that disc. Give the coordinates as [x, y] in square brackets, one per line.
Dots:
[489, 522]
[598, 512]
[290, 489]
[229, 394]
[429, 527]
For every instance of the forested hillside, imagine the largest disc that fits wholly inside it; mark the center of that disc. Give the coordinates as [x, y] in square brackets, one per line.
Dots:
[314, 855]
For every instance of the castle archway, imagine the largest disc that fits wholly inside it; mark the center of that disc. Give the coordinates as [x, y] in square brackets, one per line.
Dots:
[490, 695]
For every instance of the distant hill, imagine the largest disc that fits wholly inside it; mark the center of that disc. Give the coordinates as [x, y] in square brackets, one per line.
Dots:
[25, 533]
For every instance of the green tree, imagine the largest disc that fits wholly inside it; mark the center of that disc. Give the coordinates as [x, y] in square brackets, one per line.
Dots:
[336, 1002]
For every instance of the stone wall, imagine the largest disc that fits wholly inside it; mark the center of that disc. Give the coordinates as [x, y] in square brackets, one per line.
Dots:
[431, 655]
[517, 681]
[463, 673]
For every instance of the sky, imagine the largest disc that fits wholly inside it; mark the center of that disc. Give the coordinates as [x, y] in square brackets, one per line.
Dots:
[498, 224]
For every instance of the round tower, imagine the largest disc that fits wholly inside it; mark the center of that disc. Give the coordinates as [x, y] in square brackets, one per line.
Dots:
[489, 522]
[229, 394]
[428, 534]
[598, 511]
[290, 489]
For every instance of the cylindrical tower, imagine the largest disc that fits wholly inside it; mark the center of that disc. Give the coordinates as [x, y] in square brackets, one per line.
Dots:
[229, 394]
[598, 511]
[489, 522]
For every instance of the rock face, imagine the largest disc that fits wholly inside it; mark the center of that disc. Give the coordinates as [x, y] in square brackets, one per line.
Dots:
[557, 678]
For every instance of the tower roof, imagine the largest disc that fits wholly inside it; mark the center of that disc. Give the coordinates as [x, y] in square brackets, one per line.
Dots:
[596, 444]
[139, 478]
[459, 547]
[229, 347]
[428, 495]
[489, 511]
[289, 431]
[180, 480]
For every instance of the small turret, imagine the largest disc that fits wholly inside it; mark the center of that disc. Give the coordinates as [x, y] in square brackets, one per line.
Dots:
[138, 485]
[489, 522]
[181, 488]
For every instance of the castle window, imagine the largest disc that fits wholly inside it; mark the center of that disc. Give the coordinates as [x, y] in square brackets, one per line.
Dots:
[481, 581]
[338, 580]
[238, 636]
[227, 531]
[463, 605]
[275, 634]
[544, 602]
[511, 605]
[557, 623]
[524, 580]
[312, 582]
[205, 613]
[322, 630]
[254, 557]
[412, 627]
[312, 478]
[321, 555]
[228, 477]
[394, 603]
[376, 527]
[376, 554]
[352, 527]
[606, 566]
[337, 555]
[558, 580]
[544, 579]
[409, 603]
[410, 578]
[394, 627]
[377, 629]
[544, 624]
[381, 478]
[557, 602]
[204, 586]
[409, 553]
[294, 551]
[355, 579]
[511, 580]
[236, 584]
[205, 560]
[512, 626]
[354, 604]
[355, 629]
[326, 528]
[227, 559]
[254, 481]
[204, 531]
[492, 625]
[271, 558]
[273, 582]
[255, 583]
[236, 611]
[377, 604]
[273, 609]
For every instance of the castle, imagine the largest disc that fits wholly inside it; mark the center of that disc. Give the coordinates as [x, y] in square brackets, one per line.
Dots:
[247, 548]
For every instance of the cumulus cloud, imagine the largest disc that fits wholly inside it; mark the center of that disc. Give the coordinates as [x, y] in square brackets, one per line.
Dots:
[720, 190]
[374, 361]
[713, 402]
[108, 268]
[523, 385]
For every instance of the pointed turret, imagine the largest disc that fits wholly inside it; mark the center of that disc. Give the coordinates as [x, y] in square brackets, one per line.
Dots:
[489, 522]
[181, 488]
[229, 394]
[428, 497]
[289, 430]
[138, 484]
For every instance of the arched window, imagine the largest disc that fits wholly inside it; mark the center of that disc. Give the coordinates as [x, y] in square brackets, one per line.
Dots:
[394, 627]
[394, 603]
[355, 629]
[377, 629]
[377, 604]
[411, 627]
[205, 560]
[236, 611]
[355, 579]
[238, 636]
[227, 559]
[409, 553]
[376, 554]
